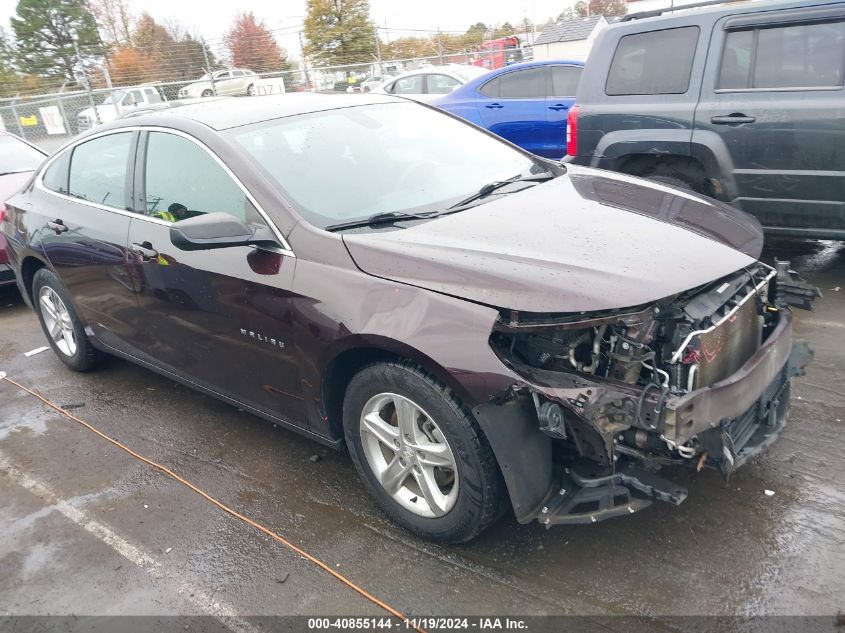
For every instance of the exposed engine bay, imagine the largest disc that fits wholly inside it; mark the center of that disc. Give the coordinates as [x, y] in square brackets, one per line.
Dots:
[628, 392]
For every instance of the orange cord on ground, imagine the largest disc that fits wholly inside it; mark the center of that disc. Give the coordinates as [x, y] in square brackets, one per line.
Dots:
[226, 509]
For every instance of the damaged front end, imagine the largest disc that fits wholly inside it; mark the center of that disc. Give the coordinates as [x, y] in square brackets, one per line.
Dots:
[699, 379]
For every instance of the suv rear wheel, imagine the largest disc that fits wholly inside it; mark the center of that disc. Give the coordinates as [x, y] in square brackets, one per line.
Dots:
[420, 453]
[671, 181]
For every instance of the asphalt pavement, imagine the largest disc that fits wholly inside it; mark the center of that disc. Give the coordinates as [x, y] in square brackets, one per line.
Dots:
[88, 530]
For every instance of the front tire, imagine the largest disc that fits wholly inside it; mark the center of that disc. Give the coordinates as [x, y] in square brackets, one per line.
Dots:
[61, 324]
[208, 92]
[250, 91]
[420, 453]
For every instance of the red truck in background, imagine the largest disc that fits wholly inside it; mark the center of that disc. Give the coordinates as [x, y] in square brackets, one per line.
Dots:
[499, 52]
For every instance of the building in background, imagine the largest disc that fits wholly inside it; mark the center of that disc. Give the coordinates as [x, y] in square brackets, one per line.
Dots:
[569, 39]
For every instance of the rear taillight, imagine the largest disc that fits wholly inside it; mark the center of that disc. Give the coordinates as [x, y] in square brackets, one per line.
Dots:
[2, 212]
[572, 131]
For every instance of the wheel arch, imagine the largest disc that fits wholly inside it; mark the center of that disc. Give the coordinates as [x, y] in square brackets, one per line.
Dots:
[357, 352]
[686, 168]
[30, 265]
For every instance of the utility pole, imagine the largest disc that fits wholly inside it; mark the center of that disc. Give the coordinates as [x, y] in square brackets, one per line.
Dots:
[208, 67]
[87, 82]
[439, 46]
[378, 50]
[304, 62]
[107, 75]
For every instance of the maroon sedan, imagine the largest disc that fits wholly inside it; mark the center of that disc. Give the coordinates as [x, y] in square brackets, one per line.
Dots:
[18, 159]
[479, 327]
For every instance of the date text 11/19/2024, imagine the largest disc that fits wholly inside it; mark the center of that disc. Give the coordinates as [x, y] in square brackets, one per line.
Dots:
[480, 623]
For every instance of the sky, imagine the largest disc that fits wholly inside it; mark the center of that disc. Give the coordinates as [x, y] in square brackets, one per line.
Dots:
[211, 19]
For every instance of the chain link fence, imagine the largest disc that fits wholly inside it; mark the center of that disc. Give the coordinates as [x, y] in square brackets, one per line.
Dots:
[49, 120]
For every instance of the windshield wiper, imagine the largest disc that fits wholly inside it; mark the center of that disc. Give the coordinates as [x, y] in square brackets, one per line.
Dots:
[490, 187]
[380, 218]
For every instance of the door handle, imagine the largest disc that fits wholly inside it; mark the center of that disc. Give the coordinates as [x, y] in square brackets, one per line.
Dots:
[558, 106]
[58, 226]
[494, 106]
[732, 119]
[145, 251]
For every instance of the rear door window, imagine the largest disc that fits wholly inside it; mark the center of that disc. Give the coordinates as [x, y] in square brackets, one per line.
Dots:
[654, 62]
[412, 85]
[491, 88]
[441, 84]
[523, 84]
[98, 170]
[802, 55]
[565, 80]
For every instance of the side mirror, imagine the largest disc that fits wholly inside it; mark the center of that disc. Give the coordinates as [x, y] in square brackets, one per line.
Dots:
[212, 230]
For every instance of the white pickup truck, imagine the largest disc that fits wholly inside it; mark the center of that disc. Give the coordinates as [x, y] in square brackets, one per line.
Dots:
[117, 103]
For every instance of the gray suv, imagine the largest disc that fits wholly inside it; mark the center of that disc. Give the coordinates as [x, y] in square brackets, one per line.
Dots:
[743, 102]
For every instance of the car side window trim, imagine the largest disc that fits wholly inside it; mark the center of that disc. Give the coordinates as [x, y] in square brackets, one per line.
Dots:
[778, 19]
[285, 250]
[784, 18]
[67, 157]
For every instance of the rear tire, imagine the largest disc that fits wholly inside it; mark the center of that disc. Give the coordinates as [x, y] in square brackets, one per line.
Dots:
[250, 90]
[671, 181]
[61, 324]
[420, 453]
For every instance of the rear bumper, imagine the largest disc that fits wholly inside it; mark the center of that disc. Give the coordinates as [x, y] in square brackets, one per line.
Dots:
[7, 275]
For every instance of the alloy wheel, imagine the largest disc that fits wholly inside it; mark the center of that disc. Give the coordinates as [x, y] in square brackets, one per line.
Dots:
[409, 455]
[57, 320]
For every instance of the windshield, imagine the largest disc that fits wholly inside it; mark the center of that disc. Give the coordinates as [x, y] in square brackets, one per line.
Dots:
[114, 97]
[469, 72]
[16, 155]
[351, 163]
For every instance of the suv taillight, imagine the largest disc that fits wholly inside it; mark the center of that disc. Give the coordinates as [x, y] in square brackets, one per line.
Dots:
[572, 131]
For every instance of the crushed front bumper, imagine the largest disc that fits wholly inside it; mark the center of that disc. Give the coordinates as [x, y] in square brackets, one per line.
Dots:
[749, 410]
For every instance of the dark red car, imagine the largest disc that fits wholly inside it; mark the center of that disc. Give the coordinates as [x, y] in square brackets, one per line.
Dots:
[481, 328]
[18, 159]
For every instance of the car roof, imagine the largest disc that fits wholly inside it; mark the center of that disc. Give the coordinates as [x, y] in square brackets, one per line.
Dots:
[728, 7]
[537, 62]
[427, 70]
[475, 82]
[221, 114]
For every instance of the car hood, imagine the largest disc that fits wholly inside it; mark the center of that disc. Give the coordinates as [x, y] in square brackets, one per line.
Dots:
[589, 240]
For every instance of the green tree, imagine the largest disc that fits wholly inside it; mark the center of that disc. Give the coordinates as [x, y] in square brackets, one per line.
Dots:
[584, 8]
[504, 30]
[47, 31]
[9, 80]
[409, 48]
[339, 32]
[171, 53]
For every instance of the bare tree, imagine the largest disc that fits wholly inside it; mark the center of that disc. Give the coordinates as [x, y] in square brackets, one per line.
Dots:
[115, 19]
